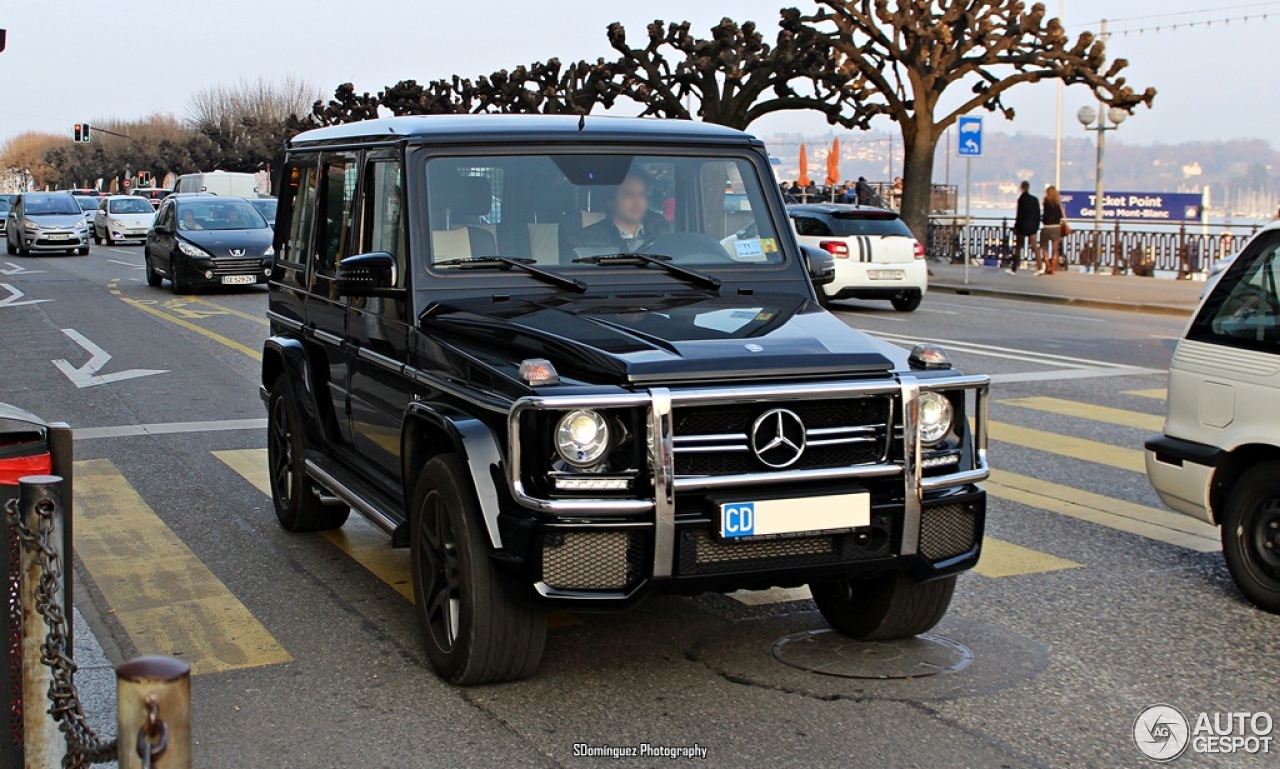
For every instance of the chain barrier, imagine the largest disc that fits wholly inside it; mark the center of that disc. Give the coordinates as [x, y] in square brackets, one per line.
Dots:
[84, 746]
[153, 736]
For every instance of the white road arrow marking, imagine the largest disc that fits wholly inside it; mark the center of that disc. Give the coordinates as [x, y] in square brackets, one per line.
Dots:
[17, 269]
[14, 295]
[87, 375]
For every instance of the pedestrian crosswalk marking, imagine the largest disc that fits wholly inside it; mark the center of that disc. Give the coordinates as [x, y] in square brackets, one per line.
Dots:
[1005, 559]
[1158, 393]
[164, 596]
[360, 540]
[1150, 522]
[1069, 446]
[1070, 408]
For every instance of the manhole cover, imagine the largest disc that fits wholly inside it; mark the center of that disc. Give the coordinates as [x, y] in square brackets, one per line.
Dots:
[833, 654]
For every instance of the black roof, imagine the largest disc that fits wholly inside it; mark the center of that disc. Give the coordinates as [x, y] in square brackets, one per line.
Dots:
[840, 208]
[425, 129]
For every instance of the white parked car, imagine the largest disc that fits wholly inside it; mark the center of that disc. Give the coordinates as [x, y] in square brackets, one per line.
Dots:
[876, 255]
[1219, 457]
[122, 218]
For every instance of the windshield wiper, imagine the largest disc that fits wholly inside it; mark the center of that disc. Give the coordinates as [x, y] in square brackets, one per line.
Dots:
[507, 262]
[644, 260]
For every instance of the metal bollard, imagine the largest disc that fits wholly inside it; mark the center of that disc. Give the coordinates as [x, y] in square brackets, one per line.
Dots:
[43, 744]
[154, 705]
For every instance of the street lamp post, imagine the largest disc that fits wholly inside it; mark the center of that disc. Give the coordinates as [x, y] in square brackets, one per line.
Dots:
[1096, 120]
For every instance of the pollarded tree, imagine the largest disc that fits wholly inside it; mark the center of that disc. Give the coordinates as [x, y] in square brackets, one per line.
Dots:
[906, 59]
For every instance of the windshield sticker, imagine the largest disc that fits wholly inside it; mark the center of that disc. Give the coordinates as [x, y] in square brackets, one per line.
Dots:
[727, 321]
[769, 245]
[750, 250]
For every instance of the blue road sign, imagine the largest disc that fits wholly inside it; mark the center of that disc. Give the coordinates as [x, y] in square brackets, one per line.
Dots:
[970, 144]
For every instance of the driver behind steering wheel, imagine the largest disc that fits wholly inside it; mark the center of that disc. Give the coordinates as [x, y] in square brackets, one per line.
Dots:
[629, 225]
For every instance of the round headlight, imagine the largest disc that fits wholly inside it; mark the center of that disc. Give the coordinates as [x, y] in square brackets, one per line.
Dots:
[935, 419]
[582, 438]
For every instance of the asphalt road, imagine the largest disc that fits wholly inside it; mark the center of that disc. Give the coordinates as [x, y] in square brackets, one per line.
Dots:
[1092, 601]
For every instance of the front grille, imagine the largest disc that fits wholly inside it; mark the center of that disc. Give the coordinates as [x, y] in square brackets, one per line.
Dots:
[947, 531]
[591, 560]
[236, 266]
[716, 440]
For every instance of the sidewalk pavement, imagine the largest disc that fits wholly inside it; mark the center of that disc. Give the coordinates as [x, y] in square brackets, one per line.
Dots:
[1114, 292]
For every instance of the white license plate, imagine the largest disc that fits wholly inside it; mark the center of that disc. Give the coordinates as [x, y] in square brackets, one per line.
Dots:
[57, 236]
[885, 274]
[238, 280]
[795, 517]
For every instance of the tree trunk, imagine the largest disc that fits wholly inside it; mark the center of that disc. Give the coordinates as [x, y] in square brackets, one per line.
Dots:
[917, 179]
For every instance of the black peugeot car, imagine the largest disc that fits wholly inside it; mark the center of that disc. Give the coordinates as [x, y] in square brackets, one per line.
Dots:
[208, 240]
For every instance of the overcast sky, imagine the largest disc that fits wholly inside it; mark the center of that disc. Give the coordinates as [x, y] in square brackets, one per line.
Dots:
[72, 60]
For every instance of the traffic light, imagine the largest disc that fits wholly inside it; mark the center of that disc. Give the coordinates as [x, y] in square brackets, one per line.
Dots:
[144, 178]
[82, 132]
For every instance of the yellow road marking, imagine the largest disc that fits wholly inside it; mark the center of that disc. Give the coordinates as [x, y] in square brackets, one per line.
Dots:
[165, 598]
[1150, 522]
[1159, 393]
[359, 539]
[222, 308]
[1005, 559]
[1069, 446]
[178, 306]
[202, 331]
[1069, 408]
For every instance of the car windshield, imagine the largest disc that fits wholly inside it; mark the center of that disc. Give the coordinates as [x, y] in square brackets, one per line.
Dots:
[222, 214]
[4, 206]
[844, 225]
[130, 206]
[51, 205]
[561, 211]
[87, 203]
[266, 207]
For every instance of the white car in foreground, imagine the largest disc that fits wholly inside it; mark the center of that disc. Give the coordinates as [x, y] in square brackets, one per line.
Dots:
[123, 218]
[876, 255]
[1219, 456]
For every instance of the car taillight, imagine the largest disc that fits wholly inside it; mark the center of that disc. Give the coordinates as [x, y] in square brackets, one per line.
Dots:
[836, 248]
[919, 250]
[13, 468]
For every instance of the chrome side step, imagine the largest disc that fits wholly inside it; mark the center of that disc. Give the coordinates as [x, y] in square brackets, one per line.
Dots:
[363, 497]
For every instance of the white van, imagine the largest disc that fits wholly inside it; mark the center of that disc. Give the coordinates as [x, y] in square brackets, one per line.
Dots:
[226, 183]
[1219, 456]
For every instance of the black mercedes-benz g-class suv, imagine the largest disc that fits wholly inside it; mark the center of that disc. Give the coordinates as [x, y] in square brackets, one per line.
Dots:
[540, 352]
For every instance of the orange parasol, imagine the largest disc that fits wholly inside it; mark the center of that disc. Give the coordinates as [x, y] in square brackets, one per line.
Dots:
[804, 167]
[833, 164]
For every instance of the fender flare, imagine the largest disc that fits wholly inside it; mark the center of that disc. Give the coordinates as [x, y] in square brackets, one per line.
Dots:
[286, 356]
[475, 443]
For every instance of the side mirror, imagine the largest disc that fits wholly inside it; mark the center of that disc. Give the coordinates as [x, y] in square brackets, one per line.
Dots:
[372, 274]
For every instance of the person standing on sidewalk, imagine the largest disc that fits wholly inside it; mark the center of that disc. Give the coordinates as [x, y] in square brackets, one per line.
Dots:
[1051, 236]
[1026, 225]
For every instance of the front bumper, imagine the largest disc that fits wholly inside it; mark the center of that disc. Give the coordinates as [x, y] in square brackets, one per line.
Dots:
[210, 272]
[610, 553]
[43, 242]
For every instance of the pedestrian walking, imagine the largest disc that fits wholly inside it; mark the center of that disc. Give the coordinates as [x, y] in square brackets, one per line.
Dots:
[866, 195]
[1051, 235]
[1026, 226]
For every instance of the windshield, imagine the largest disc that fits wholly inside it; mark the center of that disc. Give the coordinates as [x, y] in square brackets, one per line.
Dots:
[87, 203]
[4, 206]
[130, 206]
[51, 205]
[701, 212]
[223, 214]
[266, 207]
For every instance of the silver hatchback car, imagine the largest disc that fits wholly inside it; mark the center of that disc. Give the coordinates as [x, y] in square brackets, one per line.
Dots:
[46, 221]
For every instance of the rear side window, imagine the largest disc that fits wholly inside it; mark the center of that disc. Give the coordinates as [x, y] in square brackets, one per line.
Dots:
[849, 225]
[1244, 309]
[811, 226]
[301, 192]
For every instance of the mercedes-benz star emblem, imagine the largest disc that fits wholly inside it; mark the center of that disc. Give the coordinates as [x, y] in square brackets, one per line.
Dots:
[778, 438]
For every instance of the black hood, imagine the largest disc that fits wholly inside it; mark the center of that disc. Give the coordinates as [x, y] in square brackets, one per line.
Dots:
[664, 338]
[222, 242]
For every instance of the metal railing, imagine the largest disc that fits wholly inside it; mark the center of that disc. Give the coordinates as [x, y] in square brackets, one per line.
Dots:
[942, 197]
[153, 693]
[1186, 250]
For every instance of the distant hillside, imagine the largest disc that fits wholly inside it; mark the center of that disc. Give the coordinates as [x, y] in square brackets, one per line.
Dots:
[1243, 174]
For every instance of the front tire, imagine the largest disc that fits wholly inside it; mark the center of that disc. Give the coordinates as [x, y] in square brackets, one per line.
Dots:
[888, 607]
[1251, 535]
[907, 303]
[8, 245]
[474, 633]
[293, 493]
